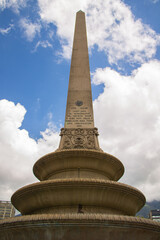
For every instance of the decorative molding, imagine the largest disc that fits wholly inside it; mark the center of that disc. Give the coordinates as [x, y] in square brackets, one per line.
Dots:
[79, 138]
[119, 189]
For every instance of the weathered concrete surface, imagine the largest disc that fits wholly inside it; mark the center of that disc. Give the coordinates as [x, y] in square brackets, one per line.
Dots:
[79, 227]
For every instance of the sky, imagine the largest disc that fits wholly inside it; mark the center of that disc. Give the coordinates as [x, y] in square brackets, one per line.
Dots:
[36, 39]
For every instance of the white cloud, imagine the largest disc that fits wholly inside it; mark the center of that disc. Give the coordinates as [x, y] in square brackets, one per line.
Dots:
[51, 34]
[16, 5]
[5, 31]
[111, 26]
[129, 125]
[30, 29]
[155, 1]
[18, 150]
[43, 44]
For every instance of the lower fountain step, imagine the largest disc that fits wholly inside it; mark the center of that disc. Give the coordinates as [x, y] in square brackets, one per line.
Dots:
[78, 227]
[74, 195]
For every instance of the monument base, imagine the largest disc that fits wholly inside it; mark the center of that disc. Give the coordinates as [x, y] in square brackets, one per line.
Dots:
[78, 226]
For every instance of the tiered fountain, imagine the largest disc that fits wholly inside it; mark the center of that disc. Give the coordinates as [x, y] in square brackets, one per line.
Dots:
[78, 196]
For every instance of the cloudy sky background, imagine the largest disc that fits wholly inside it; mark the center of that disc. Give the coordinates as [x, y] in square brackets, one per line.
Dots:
[35, 48]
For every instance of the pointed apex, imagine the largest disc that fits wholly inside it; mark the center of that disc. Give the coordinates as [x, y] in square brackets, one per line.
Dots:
[80, 11]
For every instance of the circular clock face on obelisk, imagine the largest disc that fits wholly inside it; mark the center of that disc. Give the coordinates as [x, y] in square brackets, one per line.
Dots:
[79, 103]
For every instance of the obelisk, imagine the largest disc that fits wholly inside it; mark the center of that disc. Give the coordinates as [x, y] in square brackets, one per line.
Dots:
[79, 110]
[79, 131]
[78, 196]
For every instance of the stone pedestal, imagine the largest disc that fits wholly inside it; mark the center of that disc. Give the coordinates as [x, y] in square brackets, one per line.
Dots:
[79, 227]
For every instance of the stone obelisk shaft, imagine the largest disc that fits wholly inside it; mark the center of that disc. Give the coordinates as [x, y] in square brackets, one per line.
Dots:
[79, 131]
[79, 110]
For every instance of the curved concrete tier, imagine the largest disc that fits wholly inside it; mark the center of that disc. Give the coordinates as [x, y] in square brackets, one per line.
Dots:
[93, 196]
[78, 226]
[78, 163]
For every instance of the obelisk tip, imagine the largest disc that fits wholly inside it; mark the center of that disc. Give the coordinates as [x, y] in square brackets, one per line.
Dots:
[80, 11]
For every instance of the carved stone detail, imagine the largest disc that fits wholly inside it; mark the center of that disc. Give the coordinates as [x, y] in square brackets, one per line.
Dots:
[78, 138]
